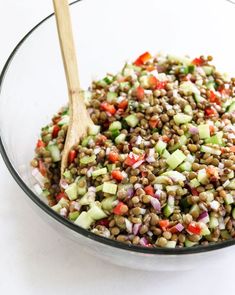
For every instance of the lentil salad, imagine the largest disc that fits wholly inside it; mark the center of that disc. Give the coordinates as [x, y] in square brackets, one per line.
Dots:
[157, 170]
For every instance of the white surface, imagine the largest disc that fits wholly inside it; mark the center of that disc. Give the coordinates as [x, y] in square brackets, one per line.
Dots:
[36, 260]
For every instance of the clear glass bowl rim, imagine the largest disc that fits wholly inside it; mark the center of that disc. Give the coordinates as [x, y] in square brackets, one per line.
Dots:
[67, 223]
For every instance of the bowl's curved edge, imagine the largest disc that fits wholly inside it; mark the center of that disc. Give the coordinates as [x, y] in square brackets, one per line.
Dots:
[67, 223]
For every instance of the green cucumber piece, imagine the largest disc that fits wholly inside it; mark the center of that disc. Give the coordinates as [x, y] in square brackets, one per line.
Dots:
[231, 107]
[96, 212]
[56, 208]
[55, 152]
[166, 154]
[116, 125]
[195, 211]
[208, 70]
[112, 97]
[172, 188]
[132, 120]
[87, 199]
[182, 141]
[186, 166]
[109, 188]
[228, 199]
[210, 150]
[99, 172]
[171, 244]
[188, 110]
[198, 98]
[94, 130]
[213, 223]
[73, 215]
[204, 229]
[99, 188]
[64, 120]
[84, 220]
[107, 203]
[111, 167]
[231, 185]
[216, 139]
[67, 174]
[87, 159]
[81, 186]
[181, 118]
[211, 85]
[124, 85]
[120, 138]
[225, 235]
[176, 159]
[194, 183]
[115, 133]
[72, 191]
[168, 210]
[160, 147]
[188, 243]
[188, 88]
[204, 131]
[202, 176]
[63, 202]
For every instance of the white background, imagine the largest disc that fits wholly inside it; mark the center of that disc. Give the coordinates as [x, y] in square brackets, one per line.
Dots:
[36, 260]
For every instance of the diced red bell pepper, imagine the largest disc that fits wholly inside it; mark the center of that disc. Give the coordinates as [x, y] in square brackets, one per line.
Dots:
[123, 104]
[165, 138]
[154, 123]
[40, 143]
[117, 174]
[104, 222]
[198, 61]
[118, 209]
[194, 228]
[113, 157]
[223, 90]
[164, 224]
[212, 129]
[213, 98]
[140, 93]
[142, 59]
[153, 82]
[55, 131]
[232, 149]
[194, 192]
[149, 190]
[132, 159]
[210, 112]
[72, 155]
[60, 196]
[173, 230]
[108, 108]
[144, 173]
[101, 139]
[161, 85]
[42, 168]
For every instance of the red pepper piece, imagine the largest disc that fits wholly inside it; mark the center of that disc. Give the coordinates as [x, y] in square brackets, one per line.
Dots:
[72, 155]
[109, 108]
[123, 104]
[194, 228]
[42, 168]
[55, 131]
[40, 143]
[149, 190]
[140, 93]
[113, 157]
[142, 59]
[198, 61]
[116, 174]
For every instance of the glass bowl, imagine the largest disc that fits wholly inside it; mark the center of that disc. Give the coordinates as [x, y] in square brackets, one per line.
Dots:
[106, 33]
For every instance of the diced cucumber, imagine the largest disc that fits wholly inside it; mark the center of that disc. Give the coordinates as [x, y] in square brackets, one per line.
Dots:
[231, 107]
[95, 212]
[87, 199]
[94, 130]
[124, 85]
[194, 183]
[204, 131]
[172, 188]
[45, 193]
[116, 125]
[230, 175]
[56, 208]
[112, 97]
[87, 159]
[202, 176]
[225, 235]
[182, 141]
[72, 191]
[188, 110]
[120, 138]
[99, 188]
[115, 133]
[168, 210]
[64, 120]
[229, 199]
[195, 211]
[63, 202]
[160, 147]
[186, 166]
[166, 154]
[204, 229]
[171, 244]
[181, 118]
[84, 220]
[216, 139]
[81, 186]
[176, 159]
[86, 141]
[213, 222]
[188, 88]
[107, 203]
[211, 85]
[109, 188]
[87, 96]
[198, 98]
[55, 152]
[67, 174]
[111, 167]
[99, 172]
[175, 175]
[132, 120]
[210, 150]
[188, 243]
[231, 185]
[208, 70]
[73, 215]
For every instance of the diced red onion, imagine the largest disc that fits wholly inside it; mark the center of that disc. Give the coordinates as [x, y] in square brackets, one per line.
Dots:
[139, 140]
[193, 130]
[142, 211]
[203, 207]
[226, 183]
[215, 205]
[97, 150]
[143, 241]
[151, 152]
[204, 217]
[120, 99]
[137, 164]
[89, 172]
[158, 194]
[130, 192]
[63, 183]
[124, 174]
[137, 185]
[38, 176]
[221, 223]
[114, 203]
[129, 225]
[221, 166]
[63, 212]
[179, 227]
[150, 159]
[92, 189]
[149, 233]
[146, 143]
[90, 111]
[156, 204]
[108, 151]
[136, 228]
[171, 200]
[77, 206]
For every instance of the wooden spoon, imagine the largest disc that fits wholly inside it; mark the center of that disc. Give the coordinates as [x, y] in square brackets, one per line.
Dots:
[79, 121]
